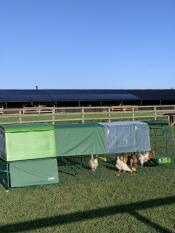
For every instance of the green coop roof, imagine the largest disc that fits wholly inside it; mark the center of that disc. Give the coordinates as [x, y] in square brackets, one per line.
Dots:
[80, 139]
[78, 125]
[27, 127]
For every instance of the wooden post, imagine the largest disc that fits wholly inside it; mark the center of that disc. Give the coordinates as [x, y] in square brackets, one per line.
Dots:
[82, 114]
[109, 114]
[53, 116]
[133, 114]
[39, 109]
[20, 118]
[155, 113]
[23, 109]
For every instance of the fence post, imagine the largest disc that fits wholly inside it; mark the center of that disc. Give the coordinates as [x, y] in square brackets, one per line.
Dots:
[20, 118]
[109, 114]
[155, 113]
[133, 114]
[53, 116]
[82, 114]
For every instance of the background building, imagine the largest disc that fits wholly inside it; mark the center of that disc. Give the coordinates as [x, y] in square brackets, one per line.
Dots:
[84, 97]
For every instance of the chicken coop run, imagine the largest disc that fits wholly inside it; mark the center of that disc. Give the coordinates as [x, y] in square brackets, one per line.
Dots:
[75, 143]
[28, 155]
[102, 138]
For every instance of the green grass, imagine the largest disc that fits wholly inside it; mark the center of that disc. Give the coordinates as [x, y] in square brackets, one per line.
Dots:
[141, 202]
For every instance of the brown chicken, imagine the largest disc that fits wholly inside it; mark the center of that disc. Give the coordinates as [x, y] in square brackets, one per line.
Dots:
[152, 154]
[124, 158]
[133, 160]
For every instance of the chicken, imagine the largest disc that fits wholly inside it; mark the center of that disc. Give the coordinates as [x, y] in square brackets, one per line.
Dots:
[122, 166]
[133, 160]
[152, 154]
[143, 157]
[93, 163]
[124, 158]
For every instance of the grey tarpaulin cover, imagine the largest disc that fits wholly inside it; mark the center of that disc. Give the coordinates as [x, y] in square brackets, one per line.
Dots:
[127, 136]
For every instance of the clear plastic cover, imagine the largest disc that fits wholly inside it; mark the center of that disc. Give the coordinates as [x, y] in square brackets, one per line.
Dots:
[125, 137]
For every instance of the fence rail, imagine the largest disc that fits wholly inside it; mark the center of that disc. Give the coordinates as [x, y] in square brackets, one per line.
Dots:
[84, 114]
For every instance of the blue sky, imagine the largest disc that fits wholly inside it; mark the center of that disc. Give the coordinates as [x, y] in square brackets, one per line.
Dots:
[87, 44]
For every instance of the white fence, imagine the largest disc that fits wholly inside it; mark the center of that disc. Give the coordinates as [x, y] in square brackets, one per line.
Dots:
[84, 114]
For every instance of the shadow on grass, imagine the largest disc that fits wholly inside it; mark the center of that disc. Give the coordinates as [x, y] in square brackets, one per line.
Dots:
[148, 222]
[113, 168]
[67, 173]
[92, 214]
[74, 162]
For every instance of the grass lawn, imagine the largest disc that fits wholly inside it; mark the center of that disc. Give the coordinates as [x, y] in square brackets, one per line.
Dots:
[141, 202]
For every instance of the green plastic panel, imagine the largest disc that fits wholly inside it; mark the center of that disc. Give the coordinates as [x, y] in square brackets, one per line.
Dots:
[163, 160]
[27, 127]
[33, 172]
[80, 139]
[32, 143]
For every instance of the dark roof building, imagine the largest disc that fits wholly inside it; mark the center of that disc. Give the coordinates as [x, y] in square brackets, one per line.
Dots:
[68, 97]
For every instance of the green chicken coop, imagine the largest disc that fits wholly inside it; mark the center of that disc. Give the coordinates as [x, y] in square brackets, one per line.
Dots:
[28, 155]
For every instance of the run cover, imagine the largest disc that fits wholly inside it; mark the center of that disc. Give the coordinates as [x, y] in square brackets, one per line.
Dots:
[126, 136]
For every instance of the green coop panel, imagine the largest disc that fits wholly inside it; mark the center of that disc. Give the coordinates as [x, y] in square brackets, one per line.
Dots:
[21, 142]
[33, 172]
[80, 139]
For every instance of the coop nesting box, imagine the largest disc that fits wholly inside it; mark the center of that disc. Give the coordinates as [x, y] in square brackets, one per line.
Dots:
[22, 142]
